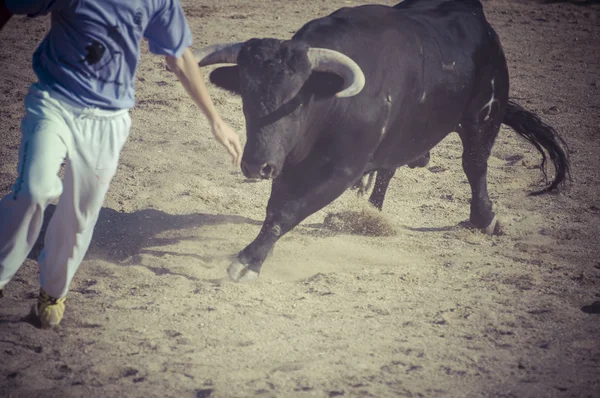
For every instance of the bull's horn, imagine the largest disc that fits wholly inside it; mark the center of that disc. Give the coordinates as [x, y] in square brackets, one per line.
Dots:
[326, 60]
[224, 53]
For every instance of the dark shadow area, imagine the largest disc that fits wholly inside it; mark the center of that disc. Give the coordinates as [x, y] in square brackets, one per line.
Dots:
[31, 318]
[432, 229]
[204, 393]
[323, 231]
[593, 308]
[123, 236]
[36, 349]
[575, 2]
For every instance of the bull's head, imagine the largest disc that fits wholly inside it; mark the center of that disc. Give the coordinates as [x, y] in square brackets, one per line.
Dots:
[276, 80]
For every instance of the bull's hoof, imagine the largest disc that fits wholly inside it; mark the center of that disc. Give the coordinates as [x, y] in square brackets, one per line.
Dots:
[494, 228]
[239, 272]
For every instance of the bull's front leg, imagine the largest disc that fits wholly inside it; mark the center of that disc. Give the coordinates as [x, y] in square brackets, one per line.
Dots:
[294, 196]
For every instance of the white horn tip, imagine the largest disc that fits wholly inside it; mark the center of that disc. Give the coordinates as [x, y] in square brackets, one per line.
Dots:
[353, 90]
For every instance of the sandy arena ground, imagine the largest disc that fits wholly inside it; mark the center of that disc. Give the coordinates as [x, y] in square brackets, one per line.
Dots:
[435, 310]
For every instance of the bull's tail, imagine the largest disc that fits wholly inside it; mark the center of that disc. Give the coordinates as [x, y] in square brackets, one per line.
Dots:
[542, 136]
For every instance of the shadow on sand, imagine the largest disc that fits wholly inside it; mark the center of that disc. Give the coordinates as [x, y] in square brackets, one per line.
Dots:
[121, 237]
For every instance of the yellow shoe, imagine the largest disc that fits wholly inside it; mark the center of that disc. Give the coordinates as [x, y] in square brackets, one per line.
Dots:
[50, 310]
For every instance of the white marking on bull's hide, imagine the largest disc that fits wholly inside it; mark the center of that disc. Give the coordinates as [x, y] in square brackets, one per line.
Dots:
[422, 100]
[276, 229]
[388, 106]
[449, 66]
[490, 103]
[347, 170]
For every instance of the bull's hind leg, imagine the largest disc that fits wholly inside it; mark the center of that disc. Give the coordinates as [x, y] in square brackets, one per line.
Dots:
[477, 143]
[382, 181]
[381, 185]
[385, 175]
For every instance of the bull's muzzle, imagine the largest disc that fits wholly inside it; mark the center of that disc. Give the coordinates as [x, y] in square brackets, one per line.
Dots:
[264, 171]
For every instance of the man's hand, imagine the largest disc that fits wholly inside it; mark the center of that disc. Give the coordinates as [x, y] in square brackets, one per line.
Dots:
[229, 139]
[188, 72]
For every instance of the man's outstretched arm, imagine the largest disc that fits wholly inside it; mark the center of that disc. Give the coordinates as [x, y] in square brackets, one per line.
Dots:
[188, 72]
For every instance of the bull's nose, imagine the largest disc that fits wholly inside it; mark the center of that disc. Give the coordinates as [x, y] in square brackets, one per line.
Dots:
[267, 170]
[264, 171]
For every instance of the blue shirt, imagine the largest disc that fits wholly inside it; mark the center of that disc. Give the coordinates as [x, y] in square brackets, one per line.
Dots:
[92, 50]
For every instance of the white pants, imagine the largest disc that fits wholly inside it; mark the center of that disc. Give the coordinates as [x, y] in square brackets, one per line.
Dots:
[90, 141]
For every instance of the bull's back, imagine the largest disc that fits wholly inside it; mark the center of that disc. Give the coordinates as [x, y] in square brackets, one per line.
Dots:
[418, 61]
[411, 37]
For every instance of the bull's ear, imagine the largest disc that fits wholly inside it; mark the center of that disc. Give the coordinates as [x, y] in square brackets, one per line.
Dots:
[227, 78]
[325, 84]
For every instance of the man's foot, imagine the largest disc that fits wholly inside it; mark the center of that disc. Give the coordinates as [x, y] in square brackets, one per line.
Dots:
[50, 310]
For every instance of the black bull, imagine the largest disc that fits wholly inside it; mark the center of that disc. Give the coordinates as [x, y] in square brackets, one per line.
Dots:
[413, 74]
